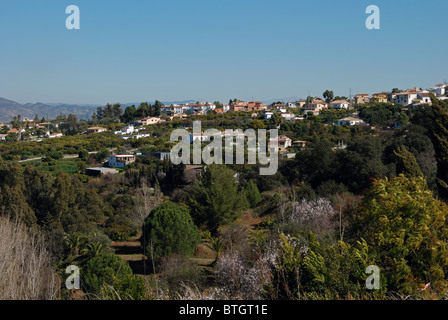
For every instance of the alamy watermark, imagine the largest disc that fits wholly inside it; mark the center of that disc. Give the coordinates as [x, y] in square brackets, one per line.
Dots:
[373, 20]
[73, 281]
[189, 149]
[73, 21]
[373, 280]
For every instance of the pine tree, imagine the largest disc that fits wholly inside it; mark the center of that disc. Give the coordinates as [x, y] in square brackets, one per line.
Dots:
[216, 199]
[169, 230]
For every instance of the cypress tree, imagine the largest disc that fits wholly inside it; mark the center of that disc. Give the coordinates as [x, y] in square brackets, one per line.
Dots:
[252, 193]
[439, 137]
[406, 163]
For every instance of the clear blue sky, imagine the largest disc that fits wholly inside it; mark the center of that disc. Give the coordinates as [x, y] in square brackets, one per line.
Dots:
[141, 50]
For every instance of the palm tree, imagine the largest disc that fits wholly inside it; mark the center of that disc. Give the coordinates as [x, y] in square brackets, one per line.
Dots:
[75, 242]
[328, 96]
[216, 245]
[94, 249]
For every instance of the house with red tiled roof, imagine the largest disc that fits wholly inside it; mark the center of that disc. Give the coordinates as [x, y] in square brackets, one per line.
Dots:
[317, 104]
[16, 131]
[55, 135]
[96, 130]
[439, 89]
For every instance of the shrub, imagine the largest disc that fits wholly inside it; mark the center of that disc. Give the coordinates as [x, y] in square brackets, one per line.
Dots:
[104, 269]
[179, 273]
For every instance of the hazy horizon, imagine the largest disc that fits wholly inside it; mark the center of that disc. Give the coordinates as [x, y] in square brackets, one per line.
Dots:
[214, 50]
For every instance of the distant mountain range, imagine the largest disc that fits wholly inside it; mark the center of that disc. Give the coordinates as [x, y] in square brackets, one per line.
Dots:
[9, 109]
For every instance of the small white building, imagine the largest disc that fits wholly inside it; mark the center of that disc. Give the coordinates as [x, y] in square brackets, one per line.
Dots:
[96, 130]
[120, 160]
[55, 135]
[439, 89]
[126, 130]
[287, 115]
[425, 97]
[349, 121]
[340, 104]
[405, 98]
[268, 115]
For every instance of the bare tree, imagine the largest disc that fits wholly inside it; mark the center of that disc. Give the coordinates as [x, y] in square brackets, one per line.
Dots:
[26, 271]
[316, 215]
[147, 199]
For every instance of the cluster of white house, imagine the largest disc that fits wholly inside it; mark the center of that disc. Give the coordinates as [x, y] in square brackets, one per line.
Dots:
[194, 108]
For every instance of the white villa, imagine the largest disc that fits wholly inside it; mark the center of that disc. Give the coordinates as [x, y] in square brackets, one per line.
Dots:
[350, 121]
[120, 160]
[340, 104]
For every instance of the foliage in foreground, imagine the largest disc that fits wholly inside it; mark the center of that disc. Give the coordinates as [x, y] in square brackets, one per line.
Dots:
[169, 230]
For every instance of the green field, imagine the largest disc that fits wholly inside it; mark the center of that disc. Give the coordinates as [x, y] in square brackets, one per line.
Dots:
[66, 165]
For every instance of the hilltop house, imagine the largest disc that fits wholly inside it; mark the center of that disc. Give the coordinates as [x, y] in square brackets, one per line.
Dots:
[55, 135]
[349, 121]
[16, 131]
[283, 143]
[268, 115]
[246, 106]
[96, 130]
[439, 89]
[301, 103]
[379, 97]
[340, 104]
[149, 120]
[362, 98]
[405, 98]
[126, 130]
[423, 98]
[287, 115]
[317, 104]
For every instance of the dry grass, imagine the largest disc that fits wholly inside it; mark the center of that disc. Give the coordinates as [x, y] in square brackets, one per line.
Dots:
[26, 271]
[249, 219]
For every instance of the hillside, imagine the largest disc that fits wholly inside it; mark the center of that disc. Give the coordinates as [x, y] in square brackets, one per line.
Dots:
[9, 109]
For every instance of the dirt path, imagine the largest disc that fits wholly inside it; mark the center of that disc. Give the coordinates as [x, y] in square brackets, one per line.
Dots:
[131, 252]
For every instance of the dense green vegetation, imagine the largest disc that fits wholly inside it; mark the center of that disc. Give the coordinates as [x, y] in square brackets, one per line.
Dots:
[307, 232]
